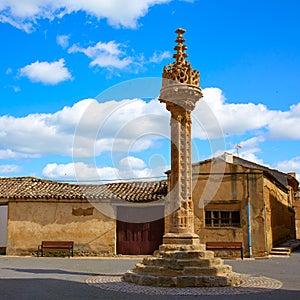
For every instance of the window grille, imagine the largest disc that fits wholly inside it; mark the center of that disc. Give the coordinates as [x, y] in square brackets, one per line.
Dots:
[216, 218]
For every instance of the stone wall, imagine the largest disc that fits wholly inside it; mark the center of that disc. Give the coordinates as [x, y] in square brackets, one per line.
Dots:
[31, 222]
[279, 213]
[230, 191]
[297, 214]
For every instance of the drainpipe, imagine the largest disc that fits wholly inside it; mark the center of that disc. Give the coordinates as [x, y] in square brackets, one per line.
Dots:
[249, 219]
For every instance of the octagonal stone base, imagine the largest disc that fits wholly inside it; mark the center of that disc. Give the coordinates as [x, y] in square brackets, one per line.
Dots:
[186, 265]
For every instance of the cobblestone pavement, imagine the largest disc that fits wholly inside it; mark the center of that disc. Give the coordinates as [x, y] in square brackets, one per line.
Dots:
[80, 278]
[250, 285]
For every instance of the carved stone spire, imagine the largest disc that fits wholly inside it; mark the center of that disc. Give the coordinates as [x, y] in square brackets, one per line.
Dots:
[181, 70]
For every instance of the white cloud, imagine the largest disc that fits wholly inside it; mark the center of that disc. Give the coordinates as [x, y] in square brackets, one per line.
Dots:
[291, 165]
[113, 56]
[159, 56]
[109, 54]
[218, 118]
[131, 162]
[214, 118]
[63, 41]
[4, 169]
[249, 149]
[129, 168]
[47, 73]
[32, 135]
[79, 171]
[26, 14]
[9, 154]
[89, 128]
[285, 125]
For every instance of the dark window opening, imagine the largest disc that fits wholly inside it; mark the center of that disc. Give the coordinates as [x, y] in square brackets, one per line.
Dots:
[214, 218]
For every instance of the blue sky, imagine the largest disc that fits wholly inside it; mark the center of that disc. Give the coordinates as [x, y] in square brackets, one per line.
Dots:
[80, 81]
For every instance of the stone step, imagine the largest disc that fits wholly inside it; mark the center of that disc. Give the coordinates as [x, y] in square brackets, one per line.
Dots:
[183, 281]
[274, 251]
[179, 264]
[284, 249]
[184, 268]
[280, 253]
[216, 271]
[200, 262]
[197, 254]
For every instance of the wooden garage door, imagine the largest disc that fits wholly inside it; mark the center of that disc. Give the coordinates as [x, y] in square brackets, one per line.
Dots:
[138, 238]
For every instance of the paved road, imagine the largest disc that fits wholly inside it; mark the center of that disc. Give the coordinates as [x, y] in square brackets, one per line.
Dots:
[62, 278]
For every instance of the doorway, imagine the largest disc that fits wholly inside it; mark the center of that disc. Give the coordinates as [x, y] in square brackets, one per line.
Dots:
[141, 238]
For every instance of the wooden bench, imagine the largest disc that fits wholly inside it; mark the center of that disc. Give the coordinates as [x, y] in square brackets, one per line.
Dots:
[226, 246]
[56, 245]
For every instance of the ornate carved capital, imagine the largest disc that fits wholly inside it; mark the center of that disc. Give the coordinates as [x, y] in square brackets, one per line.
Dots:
[181, 95]
[181, 70]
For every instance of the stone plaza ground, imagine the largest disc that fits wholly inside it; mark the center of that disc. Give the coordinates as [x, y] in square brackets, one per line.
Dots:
[82, 278]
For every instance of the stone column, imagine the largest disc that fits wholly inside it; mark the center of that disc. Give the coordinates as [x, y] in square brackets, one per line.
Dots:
[181, 260]
[180, 91]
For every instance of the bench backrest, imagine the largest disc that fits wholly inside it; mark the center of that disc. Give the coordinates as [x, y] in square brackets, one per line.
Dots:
[58, 244]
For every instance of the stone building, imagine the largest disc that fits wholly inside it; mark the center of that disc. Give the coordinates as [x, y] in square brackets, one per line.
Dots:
[238, 200]
[228, 191]
[38, 209]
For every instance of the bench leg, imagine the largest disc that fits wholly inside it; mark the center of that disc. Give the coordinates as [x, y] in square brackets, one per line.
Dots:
[39, 250]
[242, 252]
[70, 252]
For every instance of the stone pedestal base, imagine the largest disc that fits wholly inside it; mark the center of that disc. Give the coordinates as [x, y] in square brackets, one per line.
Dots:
[183, 265]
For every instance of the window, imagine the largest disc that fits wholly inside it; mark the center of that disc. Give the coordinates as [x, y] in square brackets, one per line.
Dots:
[214, 218]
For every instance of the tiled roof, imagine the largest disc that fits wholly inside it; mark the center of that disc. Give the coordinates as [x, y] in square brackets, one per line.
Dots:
[281, 179]
[34, 188]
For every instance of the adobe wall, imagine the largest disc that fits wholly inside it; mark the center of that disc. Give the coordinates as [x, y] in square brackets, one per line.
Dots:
[31, 222]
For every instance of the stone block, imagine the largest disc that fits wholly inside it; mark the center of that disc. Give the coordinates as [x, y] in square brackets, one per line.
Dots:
[234, 279]
[224, 270]
[154, 261]
[206, 254]
[220, 281]
[142, 269]
[148, 280]
[197, 271]
[186, 254]
[169, 272]
[204, 281]
[166, 281]
[186, 281]
[194, 262]
[216, 261]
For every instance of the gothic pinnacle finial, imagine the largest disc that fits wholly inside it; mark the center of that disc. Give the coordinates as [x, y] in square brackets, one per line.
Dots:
[180, 71]
[180, 48]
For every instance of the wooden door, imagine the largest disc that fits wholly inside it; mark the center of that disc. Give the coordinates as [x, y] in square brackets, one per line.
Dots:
[138, 238]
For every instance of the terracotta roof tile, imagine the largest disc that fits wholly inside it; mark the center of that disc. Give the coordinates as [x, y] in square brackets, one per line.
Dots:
[35, 188]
